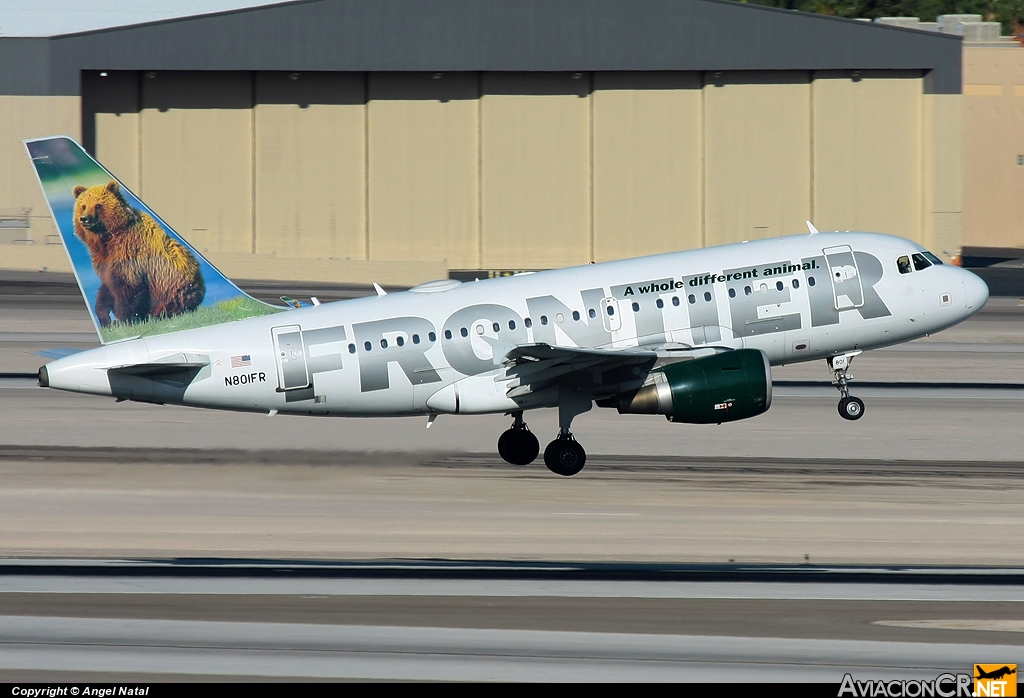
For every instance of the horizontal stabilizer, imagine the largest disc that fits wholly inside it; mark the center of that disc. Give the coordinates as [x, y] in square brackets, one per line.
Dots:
[58, 353]
[176, 363]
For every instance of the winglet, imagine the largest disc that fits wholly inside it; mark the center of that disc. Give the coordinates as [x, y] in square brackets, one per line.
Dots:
[811, 229]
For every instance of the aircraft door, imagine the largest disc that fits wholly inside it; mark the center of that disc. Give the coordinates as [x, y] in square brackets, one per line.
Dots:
[292, 372]
[610, 315]
[846, 284]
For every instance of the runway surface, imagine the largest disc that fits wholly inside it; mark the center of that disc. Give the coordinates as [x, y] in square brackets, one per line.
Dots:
[140, 542]
[116, 628]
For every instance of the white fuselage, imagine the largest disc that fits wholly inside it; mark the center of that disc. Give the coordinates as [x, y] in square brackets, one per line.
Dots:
[439, 347]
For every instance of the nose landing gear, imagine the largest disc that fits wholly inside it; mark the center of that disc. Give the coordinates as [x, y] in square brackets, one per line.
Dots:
[850, 407]
[518, 445]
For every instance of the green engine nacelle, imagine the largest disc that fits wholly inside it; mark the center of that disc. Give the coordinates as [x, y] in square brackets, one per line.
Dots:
[720, 388]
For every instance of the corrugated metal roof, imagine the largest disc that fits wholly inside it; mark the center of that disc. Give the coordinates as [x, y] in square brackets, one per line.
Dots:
[485, 35]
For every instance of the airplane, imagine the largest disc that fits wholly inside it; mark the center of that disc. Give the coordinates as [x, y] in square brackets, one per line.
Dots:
[689, 335]
[995, 674]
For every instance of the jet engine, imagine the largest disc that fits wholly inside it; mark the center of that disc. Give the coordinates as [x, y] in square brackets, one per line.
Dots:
[720, 388]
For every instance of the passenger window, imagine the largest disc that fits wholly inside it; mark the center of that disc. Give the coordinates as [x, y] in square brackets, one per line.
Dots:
[576, 315]
[692, 299]
[367, 346]
[611, 310]
[778, 285]
[351, 348]
[747, 291]
[433, 337]
[479, 329]
[383, 344]
[920, 262]
[675, 300]
[400, 341]
[528, 322]
[464, 332]
[415, 339]
[707, 296]
[636, 307]
[732, 293]
[660, 303]
[796, 283]
[903, 264]
[511, 324]
[496, 327]
[592, 313]
[543, 319]
[447, 334]
[559, 318]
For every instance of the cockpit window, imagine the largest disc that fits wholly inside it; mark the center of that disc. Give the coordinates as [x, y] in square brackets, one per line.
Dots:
[903, 264]
[920, 262]
[932, 258]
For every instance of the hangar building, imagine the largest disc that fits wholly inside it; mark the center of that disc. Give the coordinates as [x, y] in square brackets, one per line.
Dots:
[398, 140]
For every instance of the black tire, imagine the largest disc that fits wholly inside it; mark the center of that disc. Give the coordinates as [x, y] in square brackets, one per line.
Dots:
[851, 408]
[518, 446]
[565, 457]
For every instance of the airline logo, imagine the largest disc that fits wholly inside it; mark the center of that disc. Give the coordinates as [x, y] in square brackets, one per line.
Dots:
[995, 680]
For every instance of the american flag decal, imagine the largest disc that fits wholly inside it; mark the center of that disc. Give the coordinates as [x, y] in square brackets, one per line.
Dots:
[239, 361]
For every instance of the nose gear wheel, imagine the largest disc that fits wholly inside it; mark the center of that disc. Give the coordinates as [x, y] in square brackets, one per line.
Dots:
[851, 408]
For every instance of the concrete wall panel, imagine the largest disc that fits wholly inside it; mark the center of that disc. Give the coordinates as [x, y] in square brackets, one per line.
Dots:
[757, 155]
[867, 154]
[310, 170]
[647, 163]
[197, 156]
[535, 166]
[31, 117]
[424, 166]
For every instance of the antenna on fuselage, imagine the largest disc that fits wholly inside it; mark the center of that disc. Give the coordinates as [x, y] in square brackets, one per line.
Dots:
[811, 229]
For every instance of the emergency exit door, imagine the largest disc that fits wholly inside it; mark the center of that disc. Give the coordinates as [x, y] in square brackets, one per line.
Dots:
[846, 284]
[292, 372]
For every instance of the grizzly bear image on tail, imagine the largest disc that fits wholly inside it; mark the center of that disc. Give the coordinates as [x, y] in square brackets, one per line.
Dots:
[143, 272]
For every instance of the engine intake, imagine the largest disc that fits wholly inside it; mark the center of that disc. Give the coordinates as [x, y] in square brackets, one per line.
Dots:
[720, 388]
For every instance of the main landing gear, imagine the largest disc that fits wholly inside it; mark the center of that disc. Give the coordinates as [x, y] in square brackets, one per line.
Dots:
[850, 407]
[518, 445]
[564, 455]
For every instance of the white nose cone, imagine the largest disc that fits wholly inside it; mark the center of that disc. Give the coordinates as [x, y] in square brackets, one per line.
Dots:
[975, 292]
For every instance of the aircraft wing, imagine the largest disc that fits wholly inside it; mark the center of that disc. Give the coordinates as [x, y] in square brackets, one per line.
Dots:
[531, 368]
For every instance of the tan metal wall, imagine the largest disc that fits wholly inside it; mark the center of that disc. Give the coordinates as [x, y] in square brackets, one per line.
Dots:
[31, 117]
[993, 143]
[535, 170]
[647, 163]
[424, 167]
[310, 165]
[757, 156]
[512, 170]
[196, 148]
[867, 153]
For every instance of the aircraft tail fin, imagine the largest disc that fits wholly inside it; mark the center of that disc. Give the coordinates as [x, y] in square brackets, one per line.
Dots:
[137, 275]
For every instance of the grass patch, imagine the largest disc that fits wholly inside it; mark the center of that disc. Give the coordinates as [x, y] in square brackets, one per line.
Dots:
[204, 316]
